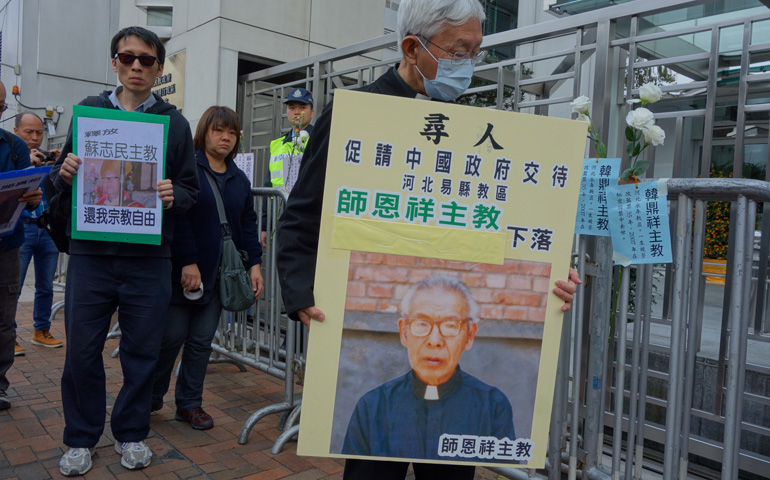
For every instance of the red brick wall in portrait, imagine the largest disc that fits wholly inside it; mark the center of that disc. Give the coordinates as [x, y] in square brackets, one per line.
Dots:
[516, 290]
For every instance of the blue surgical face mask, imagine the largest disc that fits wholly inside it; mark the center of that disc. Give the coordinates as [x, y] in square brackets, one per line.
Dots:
[452, 77]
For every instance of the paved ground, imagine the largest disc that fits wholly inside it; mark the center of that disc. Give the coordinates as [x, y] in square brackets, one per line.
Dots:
[31, 431]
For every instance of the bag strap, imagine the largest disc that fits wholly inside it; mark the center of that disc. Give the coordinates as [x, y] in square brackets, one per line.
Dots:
[220, 205]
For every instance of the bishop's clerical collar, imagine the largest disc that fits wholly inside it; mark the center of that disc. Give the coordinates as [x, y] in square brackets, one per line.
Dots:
[435, 392]
[431, 392]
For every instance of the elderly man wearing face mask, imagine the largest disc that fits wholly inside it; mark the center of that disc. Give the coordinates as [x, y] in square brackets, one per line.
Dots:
[440, 42]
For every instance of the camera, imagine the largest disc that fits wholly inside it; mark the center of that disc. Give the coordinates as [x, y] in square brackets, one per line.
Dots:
[49, 157]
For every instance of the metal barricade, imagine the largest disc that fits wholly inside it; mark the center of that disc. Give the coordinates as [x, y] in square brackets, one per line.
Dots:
[59, 282]
[610, 409]
[264, 338]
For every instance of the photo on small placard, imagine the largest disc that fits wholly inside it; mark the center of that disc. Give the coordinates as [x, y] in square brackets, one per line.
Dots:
[438, 353]
[9, 202]
[119, 183]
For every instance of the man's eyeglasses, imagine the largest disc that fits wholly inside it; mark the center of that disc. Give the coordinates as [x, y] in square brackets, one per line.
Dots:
[129, 58]
[3, 107]
[113, 179]
[447, 328]
[458, 57]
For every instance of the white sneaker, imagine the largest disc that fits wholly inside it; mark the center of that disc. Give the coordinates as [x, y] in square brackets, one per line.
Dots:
[76, 461]
[135, 454]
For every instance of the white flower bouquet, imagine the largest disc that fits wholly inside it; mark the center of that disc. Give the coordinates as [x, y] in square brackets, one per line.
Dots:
[640, 132]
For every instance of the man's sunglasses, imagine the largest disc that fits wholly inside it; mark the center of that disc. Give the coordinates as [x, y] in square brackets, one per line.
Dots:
[129, 58]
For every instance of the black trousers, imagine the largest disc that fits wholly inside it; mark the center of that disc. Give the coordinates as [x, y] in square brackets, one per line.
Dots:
[382, 470]
[96, 286]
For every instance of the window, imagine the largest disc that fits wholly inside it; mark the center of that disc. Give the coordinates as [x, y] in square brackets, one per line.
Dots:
[502, 15]
[159, 16]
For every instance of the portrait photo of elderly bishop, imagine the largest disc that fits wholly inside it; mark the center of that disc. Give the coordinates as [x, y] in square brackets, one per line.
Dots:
[440, 359]
[406, 416]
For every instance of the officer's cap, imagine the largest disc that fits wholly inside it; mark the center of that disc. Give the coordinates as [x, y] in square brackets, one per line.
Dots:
[300, 95]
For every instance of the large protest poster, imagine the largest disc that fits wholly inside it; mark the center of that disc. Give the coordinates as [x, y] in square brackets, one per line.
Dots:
[114, 193]
[421, 189]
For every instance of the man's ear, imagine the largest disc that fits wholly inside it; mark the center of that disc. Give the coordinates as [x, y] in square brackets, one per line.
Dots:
[114, 66]
[472, 327]
[402, 331]
[409, 48]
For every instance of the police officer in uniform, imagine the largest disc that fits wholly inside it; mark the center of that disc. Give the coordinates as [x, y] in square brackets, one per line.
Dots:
[286, 151]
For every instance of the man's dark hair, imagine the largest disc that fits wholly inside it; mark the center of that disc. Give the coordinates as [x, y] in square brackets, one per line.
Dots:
[147, 37]
[20, 116]
[217, 116]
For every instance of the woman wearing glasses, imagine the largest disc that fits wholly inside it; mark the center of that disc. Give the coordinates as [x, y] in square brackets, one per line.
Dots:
[196, 253]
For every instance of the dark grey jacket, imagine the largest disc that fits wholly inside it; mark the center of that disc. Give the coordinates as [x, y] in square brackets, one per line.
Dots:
[298, 227]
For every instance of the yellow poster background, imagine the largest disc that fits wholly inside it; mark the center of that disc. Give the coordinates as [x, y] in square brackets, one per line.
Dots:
[543, 210]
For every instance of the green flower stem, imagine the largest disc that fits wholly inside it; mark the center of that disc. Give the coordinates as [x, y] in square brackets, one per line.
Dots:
[594, 134]
[615, 303]
[634, 149]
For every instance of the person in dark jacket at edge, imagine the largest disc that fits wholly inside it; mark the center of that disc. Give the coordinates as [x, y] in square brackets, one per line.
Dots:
[196, 255]
[104, 276]
[439, 42]
[14, 155]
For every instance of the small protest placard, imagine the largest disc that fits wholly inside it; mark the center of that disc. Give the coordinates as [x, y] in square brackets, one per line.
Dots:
[592, 212]
[639, 223]
[114, 193]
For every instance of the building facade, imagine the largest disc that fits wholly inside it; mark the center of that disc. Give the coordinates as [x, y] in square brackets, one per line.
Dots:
[209, 44]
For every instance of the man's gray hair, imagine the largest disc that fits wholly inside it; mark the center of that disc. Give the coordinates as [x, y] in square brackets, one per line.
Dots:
[441, 282]
[427, 17]
[20, 117]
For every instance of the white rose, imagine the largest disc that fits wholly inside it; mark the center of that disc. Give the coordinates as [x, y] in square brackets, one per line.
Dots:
[654, 135]
[583, 118]
[580, 105]
[640, 118]
[650, 93]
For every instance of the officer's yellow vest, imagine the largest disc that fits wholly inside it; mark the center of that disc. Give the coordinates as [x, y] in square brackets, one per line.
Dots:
[281, 152]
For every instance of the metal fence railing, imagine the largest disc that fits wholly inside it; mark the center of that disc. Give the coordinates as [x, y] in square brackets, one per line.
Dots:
[624, 407]
[59, 282]
[668, 427]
